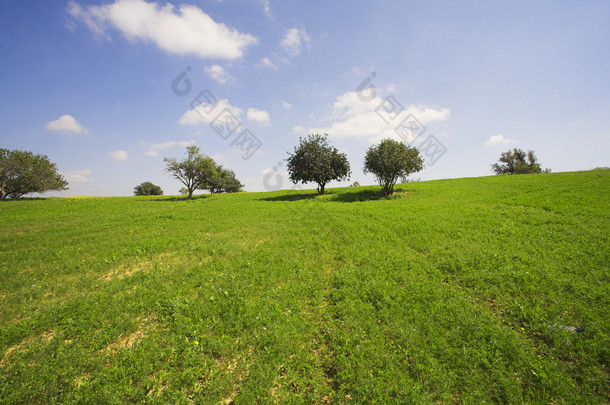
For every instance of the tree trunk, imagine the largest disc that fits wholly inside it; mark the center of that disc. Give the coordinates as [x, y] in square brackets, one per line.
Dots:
[190, 194]
[321, 188]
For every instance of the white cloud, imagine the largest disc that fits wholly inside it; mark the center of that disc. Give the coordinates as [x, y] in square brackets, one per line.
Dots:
[206, 112]
[118, 155]
[268, 63]
[498, 140]
[186, 30]
[293, 40]
[286, 105]
[67, 124]
[266, 8]
[78, 176]
[352, 118]
[299, 129]
[217, 73]
[258, 116]
[154, 148]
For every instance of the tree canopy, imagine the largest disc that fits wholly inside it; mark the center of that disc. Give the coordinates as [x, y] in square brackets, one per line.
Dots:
[390, 160]
[147, 188]
[224, 181]
[315, 160]
[517, 162]
[200, 172]
[22, 172]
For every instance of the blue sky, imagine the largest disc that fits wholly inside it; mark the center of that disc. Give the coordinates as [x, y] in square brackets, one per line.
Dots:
[97, 85]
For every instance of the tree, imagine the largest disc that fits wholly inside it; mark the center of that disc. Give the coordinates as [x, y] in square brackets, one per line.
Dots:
[22, 172]
[517, 162]
[195, 171]
[314, 160]
[390, 160]
[147, 188]
[224, 181]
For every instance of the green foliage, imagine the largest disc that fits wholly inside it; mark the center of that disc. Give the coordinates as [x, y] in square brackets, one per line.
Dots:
[195, 171]
[22, 172]
[314, 160]
[460, 291]
[224, 181]
[147, 188]
[391, 160]
[517, 162]
[200, 172]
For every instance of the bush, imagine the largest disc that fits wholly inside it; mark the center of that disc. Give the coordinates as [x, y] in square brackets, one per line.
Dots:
[147, 188]
[517, 162]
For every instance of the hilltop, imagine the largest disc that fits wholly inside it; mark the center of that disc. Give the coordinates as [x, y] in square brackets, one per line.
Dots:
[485, 289]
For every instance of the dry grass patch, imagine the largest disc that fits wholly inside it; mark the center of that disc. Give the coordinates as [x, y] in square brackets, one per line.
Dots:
[128, 341]
[46, 337]
[125, 270]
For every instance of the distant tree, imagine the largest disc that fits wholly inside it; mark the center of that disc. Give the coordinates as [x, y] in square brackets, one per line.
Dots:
[224, 181]
[147, 188]
[22, 172]
[314, 160]
[390, 160]
[517, 162]
[356, 184]
[195, 171]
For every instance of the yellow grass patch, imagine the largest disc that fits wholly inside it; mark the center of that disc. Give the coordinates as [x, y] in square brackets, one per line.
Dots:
[46, 337]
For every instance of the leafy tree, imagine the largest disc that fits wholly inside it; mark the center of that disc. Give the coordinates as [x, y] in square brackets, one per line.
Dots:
[22, 172]
[147, 188]
[390, 160]
[517, 162]
[224, 181]
[314, 160]
[195, 171]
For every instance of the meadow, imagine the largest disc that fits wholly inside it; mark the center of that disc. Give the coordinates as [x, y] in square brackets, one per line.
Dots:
[481, 290]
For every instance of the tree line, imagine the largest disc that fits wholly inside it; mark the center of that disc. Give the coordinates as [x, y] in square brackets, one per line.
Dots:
[313, 160]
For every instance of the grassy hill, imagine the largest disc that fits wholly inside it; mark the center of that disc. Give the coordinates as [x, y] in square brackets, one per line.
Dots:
[491, 289]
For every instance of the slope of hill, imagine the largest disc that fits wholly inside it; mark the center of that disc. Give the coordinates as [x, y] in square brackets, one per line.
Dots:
[487, 289]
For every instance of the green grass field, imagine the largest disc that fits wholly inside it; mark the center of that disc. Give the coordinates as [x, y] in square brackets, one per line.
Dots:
[450, 291]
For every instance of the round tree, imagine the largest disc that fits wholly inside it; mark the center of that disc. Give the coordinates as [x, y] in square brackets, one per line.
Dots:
[517, 162]
[315, 160]
[147, 188]
[390, 160]
[22, 172]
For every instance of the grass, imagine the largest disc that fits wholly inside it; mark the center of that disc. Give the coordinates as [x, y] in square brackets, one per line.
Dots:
[450, 291]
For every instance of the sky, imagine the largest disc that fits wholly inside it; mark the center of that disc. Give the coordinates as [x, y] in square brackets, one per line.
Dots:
[108, 89]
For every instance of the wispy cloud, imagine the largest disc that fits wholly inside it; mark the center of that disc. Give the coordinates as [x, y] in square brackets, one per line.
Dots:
[195, 116]
[293, 40]
[118, 155]
[266, 8]
[498, 140]
[78, 176]
[260, 116]
[66, 124]
[186, 30]
[268, 63]
[218, 73]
